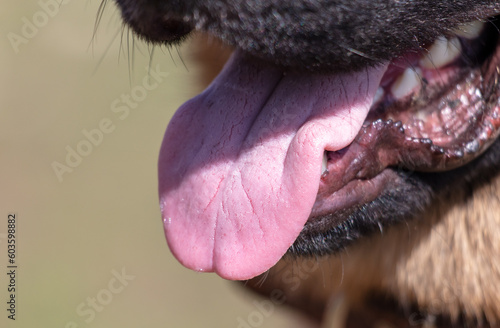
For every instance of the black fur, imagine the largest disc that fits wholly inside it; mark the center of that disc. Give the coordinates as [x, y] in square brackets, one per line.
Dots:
[338, 35]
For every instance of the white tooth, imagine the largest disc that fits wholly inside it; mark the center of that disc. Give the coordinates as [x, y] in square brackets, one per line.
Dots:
[406, 83]
[471, 30]
[441, 53]
[379, 94]
[323, 164]
[421, 115]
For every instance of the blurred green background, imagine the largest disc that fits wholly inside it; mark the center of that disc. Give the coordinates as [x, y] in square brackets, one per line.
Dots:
[99, 220]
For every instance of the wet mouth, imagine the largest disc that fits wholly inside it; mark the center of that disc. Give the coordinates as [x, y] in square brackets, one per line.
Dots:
[435, 110]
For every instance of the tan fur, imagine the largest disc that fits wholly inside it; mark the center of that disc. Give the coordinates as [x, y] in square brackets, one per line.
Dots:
[447, 262]
[210, 55]
[452, 264]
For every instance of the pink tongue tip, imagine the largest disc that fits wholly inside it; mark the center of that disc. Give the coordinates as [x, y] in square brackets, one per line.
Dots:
[239, 166]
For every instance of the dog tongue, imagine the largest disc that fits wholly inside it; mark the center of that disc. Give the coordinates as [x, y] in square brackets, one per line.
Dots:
[240, 164]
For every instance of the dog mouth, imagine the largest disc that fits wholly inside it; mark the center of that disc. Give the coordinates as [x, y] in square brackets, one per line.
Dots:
[434, 111]
[265, 157]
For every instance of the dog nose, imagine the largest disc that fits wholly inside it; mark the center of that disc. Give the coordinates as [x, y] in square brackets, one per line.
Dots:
[156, 21]
[171, 28]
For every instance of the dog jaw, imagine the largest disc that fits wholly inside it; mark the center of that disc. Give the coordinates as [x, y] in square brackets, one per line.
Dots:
[403, 270]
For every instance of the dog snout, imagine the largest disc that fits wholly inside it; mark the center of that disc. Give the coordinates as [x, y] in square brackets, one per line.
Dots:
[321, 36]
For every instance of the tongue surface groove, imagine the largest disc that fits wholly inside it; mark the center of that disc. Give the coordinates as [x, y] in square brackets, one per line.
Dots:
[239, 166]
